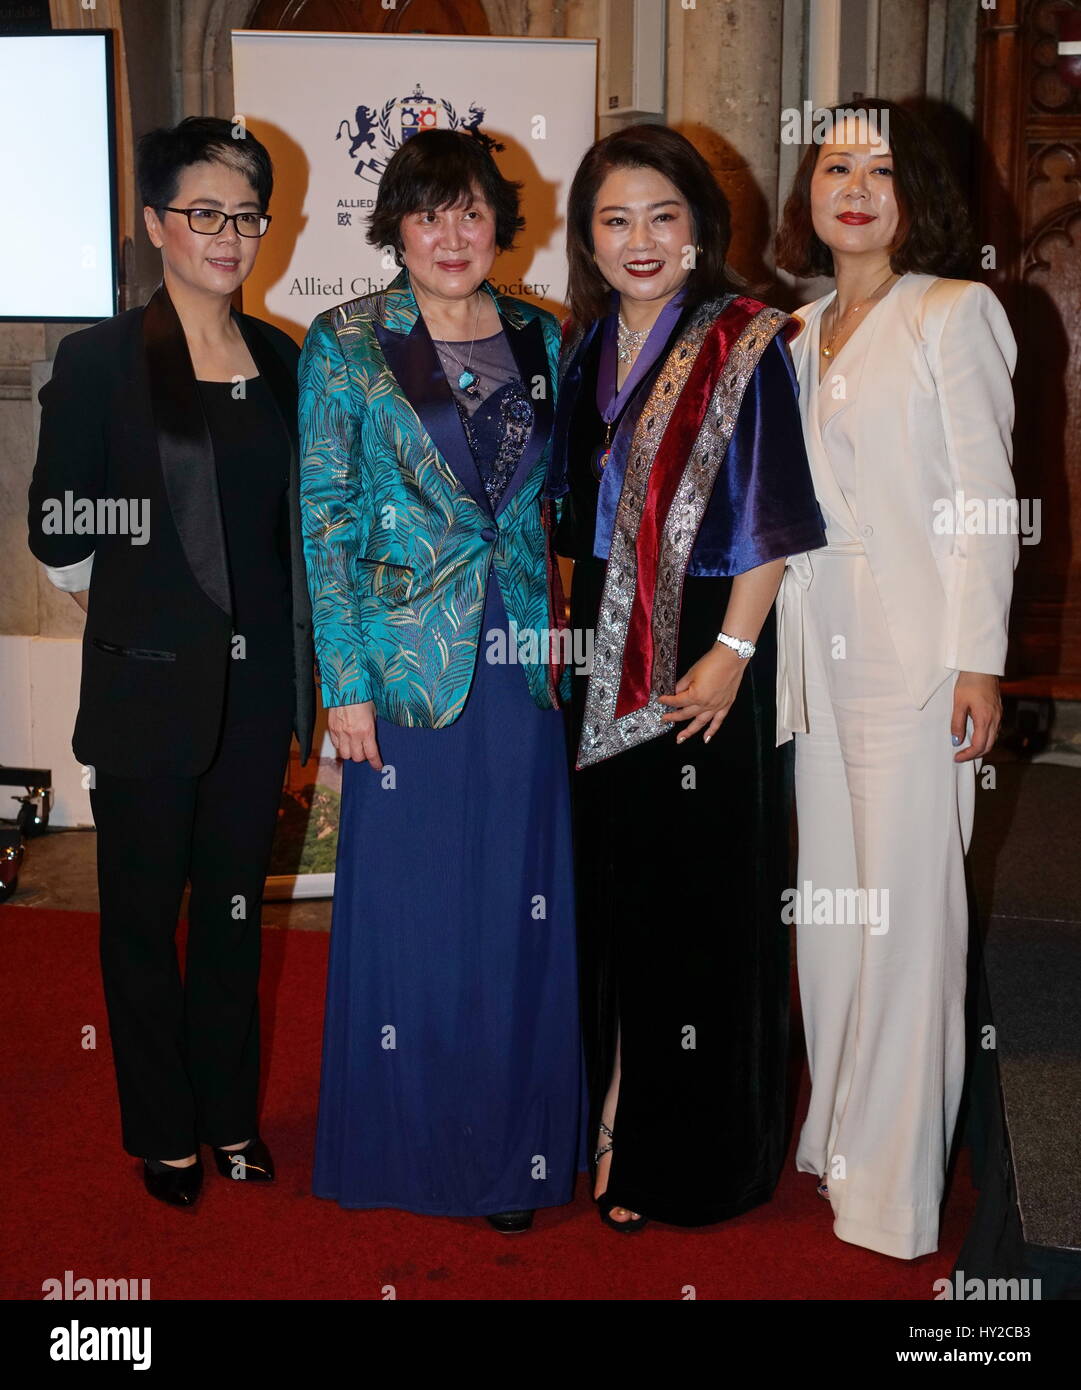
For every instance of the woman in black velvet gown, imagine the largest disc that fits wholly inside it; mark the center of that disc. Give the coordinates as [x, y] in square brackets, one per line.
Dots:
[680, 460]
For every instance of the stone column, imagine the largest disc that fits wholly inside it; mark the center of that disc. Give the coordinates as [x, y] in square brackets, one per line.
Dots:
[724, 84]
[902, 49]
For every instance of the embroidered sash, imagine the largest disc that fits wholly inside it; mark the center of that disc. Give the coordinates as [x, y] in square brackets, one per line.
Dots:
[675, 455]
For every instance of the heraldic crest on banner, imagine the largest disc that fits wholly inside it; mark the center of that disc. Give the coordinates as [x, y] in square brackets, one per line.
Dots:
[388, 127]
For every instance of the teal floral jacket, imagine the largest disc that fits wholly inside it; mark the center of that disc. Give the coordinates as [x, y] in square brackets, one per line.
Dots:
[399, 535]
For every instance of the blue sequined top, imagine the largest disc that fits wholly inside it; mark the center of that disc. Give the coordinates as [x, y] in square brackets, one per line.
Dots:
[498, 417]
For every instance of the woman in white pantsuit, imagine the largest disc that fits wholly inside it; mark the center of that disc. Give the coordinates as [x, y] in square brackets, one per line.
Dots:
[891, 642]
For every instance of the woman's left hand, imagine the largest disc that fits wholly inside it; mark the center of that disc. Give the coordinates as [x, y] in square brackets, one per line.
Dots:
[976, 696]
[706, 693]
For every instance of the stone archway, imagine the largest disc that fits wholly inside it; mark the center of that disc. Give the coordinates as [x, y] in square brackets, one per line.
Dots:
[373, 17]
[206, 59]
[206, 53]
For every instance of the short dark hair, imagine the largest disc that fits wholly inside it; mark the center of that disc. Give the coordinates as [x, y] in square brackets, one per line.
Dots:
[164, 154]
[671, 154]
[440, 169]
[934, 234]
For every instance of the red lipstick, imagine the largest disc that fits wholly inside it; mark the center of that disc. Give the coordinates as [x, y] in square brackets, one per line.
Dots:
[645, 269]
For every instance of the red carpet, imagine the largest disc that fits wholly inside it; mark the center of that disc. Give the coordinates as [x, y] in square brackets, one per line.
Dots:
[74, 1200]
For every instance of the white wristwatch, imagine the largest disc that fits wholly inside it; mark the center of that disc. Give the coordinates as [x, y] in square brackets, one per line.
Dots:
[742, 648]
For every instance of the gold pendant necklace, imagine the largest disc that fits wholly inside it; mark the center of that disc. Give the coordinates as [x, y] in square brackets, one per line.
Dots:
[827, 349]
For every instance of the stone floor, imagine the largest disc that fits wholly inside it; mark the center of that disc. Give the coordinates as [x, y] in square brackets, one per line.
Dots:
[60, 870]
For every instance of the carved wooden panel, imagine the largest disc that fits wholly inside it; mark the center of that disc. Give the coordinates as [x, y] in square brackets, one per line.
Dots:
[371, 17]
[1030, 120]
[1046, 90]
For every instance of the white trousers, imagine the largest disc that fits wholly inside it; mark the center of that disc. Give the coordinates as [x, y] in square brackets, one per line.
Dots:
[881, 806]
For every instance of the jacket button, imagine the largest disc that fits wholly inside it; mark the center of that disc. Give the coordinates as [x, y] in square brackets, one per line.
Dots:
[867, 530]
[488, 534]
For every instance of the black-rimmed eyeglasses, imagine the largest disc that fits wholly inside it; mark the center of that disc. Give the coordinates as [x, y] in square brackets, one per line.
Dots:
[209, 221]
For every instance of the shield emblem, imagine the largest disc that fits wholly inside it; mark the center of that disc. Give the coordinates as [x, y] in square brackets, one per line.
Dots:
[416, 113]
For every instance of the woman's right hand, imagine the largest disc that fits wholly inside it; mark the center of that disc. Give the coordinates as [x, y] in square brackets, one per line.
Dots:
[352, 732]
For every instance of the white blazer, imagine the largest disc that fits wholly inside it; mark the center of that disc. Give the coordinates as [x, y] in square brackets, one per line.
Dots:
[935, 418]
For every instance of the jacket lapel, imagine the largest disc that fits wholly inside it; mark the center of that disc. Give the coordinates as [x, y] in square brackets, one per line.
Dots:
[526, 339]
[805, 360]
[412, 358]
[799, 346]
[883, 415]
[187, 456]
[284, 389]
[282, 382]
[570, 377]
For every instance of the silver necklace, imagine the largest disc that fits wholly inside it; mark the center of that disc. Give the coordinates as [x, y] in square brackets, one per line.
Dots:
[467, 380]
[629, 341]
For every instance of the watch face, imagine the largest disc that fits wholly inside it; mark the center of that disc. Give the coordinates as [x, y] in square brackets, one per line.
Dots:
[746, 649]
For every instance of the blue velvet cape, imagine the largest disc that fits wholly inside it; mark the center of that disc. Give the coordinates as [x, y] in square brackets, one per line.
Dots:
[762, 506]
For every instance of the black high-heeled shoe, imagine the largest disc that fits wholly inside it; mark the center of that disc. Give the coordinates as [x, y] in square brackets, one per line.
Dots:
[252, 1163]
[509, 1222]
[605, 1204]
[178, 1186]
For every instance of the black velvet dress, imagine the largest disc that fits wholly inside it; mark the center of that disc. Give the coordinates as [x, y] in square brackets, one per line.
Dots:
[681, 859]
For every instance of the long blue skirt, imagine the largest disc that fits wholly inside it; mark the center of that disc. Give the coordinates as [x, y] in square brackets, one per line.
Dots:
[452, 1080]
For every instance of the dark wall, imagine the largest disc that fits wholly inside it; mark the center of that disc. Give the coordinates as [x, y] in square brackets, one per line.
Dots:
[150, 29]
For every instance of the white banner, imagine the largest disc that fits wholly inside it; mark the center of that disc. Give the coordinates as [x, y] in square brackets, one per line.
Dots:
[333, 108]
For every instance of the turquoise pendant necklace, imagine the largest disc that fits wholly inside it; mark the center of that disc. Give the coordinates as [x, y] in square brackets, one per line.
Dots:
[467, 380]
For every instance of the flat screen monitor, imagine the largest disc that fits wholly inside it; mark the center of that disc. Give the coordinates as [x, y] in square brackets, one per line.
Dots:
[58, 230]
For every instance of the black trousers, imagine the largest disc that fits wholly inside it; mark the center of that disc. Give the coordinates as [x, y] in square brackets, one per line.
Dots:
[186, 1050]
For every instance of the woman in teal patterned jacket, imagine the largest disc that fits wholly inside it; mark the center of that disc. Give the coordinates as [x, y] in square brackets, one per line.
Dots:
[451, 1077]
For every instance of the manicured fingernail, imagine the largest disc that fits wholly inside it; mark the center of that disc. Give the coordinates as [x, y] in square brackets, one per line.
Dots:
[957, 740]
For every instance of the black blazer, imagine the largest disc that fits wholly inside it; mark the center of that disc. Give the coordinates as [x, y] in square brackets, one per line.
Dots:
[121, 418]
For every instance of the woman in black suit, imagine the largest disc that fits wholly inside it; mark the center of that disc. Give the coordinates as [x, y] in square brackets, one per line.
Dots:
[173, 429]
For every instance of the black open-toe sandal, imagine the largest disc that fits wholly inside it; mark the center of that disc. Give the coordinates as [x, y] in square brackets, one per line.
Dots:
[252, 1163]
[605, 1204]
